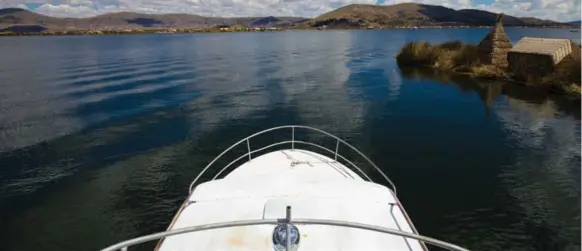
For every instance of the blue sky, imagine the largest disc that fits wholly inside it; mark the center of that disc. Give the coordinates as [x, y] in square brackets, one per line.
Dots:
[486, 2]
[32, 6]
[560, 10]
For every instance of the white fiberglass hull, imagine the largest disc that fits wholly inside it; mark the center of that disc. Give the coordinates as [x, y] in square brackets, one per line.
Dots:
[315, 186]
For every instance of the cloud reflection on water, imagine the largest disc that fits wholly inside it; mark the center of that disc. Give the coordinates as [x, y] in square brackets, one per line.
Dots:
[276, 73]
[542, 179]
[545, 178]
[145, 134]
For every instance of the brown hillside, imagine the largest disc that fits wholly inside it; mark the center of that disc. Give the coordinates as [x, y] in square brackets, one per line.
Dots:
[129, 20]
[355, 15]
[416, 14]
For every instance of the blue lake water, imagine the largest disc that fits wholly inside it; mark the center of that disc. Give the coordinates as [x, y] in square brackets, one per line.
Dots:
[100, 136]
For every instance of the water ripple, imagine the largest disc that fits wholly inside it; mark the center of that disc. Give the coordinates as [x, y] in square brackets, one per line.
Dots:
[79, 73]
[100, 136]
[114, 83]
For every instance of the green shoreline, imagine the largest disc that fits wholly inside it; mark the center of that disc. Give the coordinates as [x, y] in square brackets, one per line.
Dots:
[243, 29]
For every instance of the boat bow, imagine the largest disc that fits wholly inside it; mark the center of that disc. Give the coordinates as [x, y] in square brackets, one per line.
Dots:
[333, 206]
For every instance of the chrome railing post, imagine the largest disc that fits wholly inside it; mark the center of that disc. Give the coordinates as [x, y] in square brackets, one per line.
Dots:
[288, 214]
[293, 137]
[288, 228]
[336, 149]
[249, 148]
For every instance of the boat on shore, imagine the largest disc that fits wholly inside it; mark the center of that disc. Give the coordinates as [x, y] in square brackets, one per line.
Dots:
[290, 199]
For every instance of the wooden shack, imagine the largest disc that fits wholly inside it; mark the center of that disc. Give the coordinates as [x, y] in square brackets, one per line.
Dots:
[534, 58]
[495, 45]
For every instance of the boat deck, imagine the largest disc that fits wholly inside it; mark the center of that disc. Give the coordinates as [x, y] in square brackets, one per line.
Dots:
[315, 186]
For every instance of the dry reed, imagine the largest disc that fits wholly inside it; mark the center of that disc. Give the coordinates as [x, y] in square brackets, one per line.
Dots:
[464, 58]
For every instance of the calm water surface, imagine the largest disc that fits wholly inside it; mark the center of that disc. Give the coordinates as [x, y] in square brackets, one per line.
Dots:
[100, 136]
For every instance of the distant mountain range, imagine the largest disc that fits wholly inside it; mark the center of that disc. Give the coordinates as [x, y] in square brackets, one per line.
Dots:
[355, 15]
[579, 22]
[13, 18]
[418, 14]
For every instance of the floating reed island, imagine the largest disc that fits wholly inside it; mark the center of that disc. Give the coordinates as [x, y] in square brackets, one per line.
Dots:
[551, 64]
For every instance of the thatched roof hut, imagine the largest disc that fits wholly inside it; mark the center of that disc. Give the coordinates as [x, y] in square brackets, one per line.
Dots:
[495, 45]
[535, 58]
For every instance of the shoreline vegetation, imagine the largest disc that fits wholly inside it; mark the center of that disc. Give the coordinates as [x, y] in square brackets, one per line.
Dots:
[457, 58]
[136, 31]
[31, 31]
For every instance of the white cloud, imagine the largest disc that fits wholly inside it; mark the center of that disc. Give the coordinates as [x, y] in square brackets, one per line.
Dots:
[22, 6]
[78, 2]
[64, 10]
[560, 10]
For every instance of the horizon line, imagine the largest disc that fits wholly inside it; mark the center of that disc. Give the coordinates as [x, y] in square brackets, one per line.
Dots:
[211, 16]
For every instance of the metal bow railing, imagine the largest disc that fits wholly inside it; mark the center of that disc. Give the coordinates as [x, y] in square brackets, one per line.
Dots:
[293, 142]
[123, 246]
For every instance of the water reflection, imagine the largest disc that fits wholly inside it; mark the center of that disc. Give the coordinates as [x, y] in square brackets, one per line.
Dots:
[324, 76]
[145, 113]
[490, 91]
[395, 84]
[221, 102]
[29, 109]
[38, 172]
[281, 72]
[542, 180]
